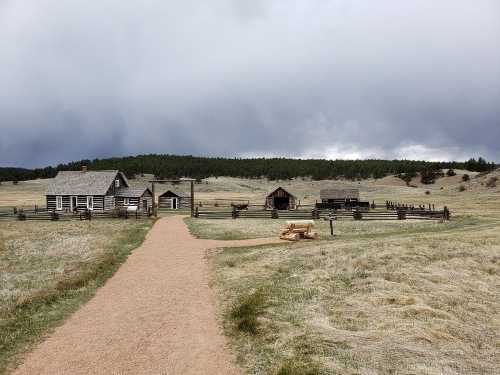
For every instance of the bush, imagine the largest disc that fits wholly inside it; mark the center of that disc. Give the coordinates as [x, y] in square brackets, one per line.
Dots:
[492, 182]
[427, 192]
[246, 311]
[428, 176]
[299, 367]
[465, 178]
[461, 188]
[450, 173]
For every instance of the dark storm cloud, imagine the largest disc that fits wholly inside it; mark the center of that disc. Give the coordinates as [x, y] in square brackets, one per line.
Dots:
[346, 79]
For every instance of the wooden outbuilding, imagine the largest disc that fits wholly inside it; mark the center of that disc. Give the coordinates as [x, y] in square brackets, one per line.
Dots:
[339, 198]
[174, 200]
[139, 198]
[280, 199]
[331, 195]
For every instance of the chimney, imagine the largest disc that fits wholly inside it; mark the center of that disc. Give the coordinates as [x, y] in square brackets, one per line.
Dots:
[84, 168]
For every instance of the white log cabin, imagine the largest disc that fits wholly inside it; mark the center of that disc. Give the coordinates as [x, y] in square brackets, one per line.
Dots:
[95, 190]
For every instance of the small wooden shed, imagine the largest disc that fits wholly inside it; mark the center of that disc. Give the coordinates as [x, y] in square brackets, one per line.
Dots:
[280, 199]
[172, 200]
[141, 198]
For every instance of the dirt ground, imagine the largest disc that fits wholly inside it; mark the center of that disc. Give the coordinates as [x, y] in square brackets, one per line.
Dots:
[156, 315]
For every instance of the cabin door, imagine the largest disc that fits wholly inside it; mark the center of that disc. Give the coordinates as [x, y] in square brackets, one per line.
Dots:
[174, 203]
[74, 203]
[145, 204]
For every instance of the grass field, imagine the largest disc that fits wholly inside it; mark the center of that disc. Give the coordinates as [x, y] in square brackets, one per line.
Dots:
[380, 297]
[47, 269]
[377, 298]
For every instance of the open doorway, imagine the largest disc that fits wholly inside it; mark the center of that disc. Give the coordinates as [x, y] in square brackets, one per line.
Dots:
[74, 203]
[282, 203]
[175, 203]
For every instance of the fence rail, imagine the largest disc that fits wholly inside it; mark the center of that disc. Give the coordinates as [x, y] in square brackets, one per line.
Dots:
[40, 214]
[325, 214]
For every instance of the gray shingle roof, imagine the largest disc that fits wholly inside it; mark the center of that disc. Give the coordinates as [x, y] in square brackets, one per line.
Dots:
[83, 183]
[131, 192]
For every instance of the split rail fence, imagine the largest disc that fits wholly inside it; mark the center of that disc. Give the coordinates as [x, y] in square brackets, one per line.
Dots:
[325, 214]
[43, 214]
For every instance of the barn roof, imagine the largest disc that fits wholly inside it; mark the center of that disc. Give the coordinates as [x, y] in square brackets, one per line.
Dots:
[132, 192]
[280, 188]
[179, 194]
[83, 182]
[332, 193]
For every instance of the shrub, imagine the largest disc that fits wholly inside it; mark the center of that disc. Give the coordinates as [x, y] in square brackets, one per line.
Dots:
[461, 188]
[299, 367]
[428, 176]
[465, 178]
[492, 182]
[246, 310]
[427, 192]
[450, 173]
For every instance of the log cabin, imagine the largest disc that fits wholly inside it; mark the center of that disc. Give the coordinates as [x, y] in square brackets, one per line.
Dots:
[174, 200]
[280, 199]
[83, 190]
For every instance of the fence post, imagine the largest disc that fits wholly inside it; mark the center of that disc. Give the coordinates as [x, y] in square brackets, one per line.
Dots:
[446, 213]
[196, 213]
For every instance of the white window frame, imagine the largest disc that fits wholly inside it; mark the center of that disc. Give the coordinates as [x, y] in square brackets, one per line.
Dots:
[90, 202]
[117, 183]
[126, 201]
[59, 202]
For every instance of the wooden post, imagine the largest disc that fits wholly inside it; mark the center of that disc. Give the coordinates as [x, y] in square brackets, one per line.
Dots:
[192, 198]
[331, 225]
[154, 199]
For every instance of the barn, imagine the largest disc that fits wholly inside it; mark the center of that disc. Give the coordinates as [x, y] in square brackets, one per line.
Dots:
[174, 200]
[280, 199]
[83, 190]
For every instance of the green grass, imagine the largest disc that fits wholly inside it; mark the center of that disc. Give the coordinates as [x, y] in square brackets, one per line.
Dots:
[40, 305]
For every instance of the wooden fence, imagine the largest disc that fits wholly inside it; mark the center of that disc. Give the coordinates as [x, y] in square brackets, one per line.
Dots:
[325, 214]
[40, 214]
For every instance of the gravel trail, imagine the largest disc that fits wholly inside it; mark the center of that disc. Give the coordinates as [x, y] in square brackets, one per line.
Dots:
[156, 315]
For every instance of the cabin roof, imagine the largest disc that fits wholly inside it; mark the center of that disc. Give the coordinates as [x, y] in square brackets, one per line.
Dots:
[333, 193]
[280, 188]
[83, 182]
[129, 192]
[179, 194]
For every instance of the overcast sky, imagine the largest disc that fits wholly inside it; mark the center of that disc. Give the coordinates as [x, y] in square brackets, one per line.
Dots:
[413, 79]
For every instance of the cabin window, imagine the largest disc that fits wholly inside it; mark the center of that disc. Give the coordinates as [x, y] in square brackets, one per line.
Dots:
[90, 203]
[58, 202]
[117, 183]
[125, 201]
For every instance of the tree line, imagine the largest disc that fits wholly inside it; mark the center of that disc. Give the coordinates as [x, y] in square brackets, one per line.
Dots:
[175, 166]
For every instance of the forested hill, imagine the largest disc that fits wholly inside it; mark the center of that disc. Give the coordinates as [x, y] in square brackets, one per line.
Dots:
[170, 166]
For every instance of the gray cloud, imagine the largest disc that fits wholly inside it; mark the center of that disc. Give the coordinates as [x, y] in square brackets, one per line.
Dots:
[332, 78]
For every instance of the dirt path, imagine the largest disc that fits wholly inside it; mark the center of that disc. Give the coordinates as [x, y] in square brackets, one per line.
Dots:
[156, 315]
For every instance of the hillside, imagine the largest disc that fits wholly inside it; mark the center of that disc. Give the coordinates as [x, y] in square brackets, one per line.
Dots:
[272, 169]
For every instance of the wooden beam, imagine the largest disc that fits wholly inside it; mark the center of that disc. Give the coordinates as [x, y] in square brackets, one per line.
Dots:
[192, 198]
[154, 198]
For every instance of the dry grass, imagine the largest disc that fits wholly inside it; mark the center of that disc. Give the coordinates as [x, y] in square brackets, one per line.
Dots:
[47, 269]
[379, 298]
